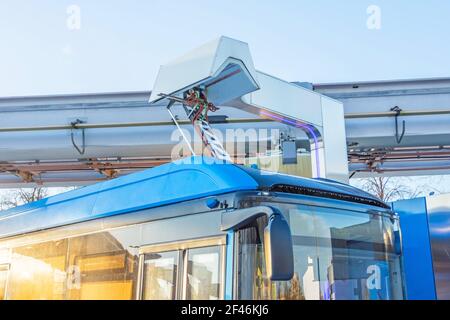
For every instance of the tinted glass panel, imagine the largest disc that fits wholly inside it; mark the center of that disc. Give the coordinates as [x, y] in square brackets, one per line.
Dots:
[38, 271]
[355, 255]
[251, 273]
[101, 266]
[3, 277]
[160, 276]
[203, 274]
[337, 255]
[439, 222]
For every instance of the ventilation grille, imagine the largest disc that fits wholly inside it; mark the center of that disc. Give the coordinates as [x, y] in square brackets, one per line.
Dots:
[327, 194]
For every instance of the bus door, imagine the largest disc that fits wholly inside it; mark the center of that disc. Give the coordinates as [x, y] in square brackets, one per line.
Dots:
[188, 270]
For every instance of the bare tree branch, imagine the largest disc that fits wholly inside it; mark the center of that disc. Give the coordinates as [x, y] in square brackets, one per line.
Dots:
[22, 196]
[387, 189]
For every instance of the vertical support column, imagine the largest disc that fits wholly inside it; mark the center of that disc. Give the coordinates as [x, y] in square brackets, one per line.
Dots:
[320, 117]
[229, 266]
[318, 158]
[334, 146]
[417, 258]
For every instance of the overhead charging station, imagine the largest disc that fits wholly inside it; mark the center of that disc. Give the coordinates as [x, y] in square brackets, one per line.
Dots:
[222, 73]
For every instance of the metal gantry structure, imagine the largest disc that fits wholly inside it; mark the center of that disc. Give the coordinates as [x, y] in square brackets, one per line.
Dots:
[391, 127]
[399, 127]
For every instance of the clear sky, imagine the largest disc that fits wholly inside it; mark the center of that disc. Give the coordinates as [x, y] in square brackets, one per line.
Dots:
[120, 44]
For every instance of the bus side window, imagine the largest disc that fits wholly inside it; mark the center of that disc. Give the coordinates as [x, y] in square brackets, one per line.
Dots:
[160, 276]
[4, 269]
[100, 267]
[37, 271]
[203, 281]
[186, 272]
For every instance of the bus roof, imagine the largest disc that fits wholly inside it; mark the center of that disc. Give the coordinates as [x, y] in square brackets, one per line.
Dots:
[183, 180]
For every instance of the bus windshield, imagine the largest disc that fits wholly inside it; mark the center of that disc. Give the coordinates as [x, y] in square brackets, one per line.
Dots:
[338, 255]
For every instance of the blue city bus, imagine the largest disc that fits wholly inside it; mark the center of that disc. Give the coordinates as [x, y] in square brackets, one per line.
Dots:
[198, 229]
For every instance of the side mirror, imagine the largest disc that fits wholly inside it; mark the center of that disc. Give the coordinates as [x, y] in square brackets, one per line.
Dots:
[278, 250]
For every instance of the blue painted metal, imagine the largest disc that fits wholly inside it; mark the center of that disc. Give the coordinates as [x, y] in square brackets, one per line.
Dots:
[183, 180]
[163, 185]
[438, 209]
[417, 258]
[229, 265]
[212, 203]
